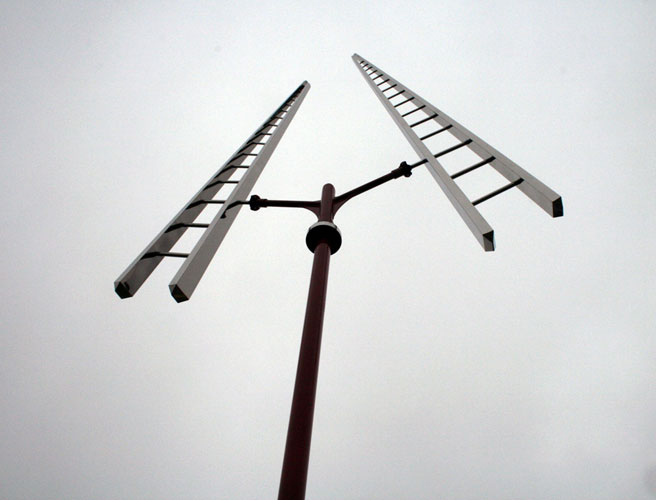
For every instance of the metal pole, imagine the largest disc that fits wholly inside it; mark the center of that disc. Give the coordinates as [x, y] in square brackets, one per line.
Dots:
[299, 433]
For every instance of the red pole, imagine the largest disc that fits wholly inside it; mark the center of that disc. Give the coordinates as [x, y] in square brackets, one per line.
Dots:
[299, 433]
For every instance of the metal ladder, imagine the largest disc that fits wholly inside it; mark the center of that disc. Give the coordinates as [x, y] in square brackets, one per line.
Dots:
[251, 158]
[409, 110]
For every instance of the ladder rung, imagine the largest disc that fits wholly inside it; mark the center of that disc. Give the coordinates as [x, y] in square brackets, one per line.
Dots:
[398, 93]
[164, 254]
[453, 148]
[212, 184]
[420, 162]
[244, 154]
[261, 133]
[390, 87]
[434, 115]
[379, 84]
[224, 182]
[473, 167]
[231, 167]
[403, 102]
[416, 109]
[205, 202]
[379, 76]
[186, 224]
[251, 144]
[436, 132]
[498, 191]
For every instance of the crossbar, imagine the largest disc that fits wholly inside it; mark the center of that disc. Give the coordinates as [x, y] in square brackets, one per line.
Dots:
[498, 191]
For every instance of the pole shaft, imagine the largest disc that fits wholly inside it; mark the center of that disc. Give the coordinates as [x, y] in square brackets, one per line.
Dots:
[299, 433]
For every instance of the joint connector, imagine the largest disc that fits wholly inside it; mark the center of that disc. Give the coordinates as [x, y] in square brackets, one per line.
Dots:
[323, 231]
[255, 202]
[403, 170]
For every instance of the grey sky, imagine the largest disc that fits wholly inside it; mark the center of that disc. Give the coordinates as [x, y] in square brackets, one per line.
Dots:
[446, 372]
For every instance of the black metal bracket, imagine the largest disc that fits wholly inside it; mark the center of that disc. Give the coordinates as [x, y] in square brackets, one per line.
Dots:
[403, 170]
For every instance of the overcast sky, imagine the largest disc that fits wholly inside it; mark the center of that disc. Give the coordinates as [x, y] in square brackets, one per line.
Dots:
[446, 372]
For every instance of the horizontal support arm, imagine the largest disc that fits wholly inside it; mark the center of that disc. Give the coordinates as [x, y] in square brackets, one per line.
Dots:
[255, 202]
[403, 170]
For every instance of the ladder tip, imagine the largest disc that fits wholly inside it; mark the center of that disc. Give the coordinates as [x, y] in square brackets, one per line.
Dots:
[122, 289]
[488, 242]
[178, 294]
[557, 207]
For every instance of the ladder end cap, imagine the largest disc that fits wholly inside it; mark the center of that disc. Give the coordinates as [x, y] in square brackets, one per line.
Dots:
[488, 242]
[122, 290]
[557, 207]
[178, 294]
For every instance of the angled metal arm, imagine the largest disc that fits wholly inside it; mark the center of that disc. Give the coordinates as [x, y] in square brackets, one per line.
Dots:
[255, 202]
[418, 111]
[403, 170]
[266, 137]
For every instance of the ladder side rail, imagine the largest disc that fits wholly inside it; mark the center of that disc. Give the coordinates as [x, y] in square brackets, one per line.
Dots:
[482, 231]
[541, 194]
[141, 268]
[186, 279]
[127, 284]
[547, 199]
[536, 190]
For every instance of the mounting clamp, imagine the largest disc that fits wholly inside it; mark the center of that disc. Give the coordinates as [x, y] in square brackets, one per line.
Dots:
[323, 231]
